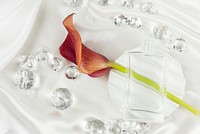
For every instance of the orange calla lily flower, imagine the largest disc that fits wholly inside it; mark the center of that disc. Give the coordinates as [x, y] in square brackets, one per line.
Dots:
[88, 61]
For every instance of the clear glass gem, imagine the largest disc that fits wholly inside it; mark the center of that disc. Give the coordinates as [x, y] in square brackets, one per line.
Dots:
[149, 8]
[74, 3]
[43, 55]
[120, 20]
[56, 64]
[142, 128]
[72, 72]
[62, 98]
[131, 4]
[126, 127]
[134, 22]
[95, 127]
[104, 2]
[180, 45]
[28, 62]
[24, 79]
[161, 32]
[114, 127]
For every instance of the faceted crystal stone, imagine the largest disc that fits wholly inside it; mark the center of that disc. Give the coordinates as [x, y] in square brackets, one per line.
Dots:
[74, 3]
[56, 64]
[72, 72]
[160, 32]
[134, 22]
[120, 20]
[24, 79]
[28, 62]
[126, 127]
[62, 98]
[148, 8]
[104, 2]
[114, 127]
[44, 55]
[95, 127]
[143, 128]
[180, 45]
[131, 4]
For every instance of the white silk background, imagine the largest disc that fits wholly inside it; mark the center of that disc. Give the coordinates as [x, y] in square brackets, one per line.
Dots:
[35, 24]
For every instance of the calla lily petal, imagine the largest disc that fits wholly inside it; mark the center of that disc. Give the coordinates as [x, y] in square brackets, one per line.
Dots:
[67, 50]
[100, 72]
[88, 61]
[75, 42]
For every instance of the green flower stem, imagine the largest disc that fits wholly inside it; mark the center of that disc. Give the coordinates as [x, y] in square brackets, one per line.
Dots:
[182, 103]
[157, 87]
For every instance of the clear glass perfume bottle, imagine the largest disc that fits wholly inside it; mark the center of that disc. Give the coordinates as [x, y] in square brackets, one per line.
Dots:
[145, 88]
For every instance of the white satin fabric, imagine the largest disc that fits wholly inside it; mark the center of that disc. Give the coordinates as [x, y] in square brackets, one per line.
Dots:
[22, 114]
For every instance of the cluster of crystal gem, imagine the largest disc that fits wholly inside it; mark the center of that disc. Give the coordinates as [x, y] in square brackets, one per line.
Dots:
[131, 4]
[25, 78]
[96, 126]
[122, 21]
[162, 33]
[147, 7]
